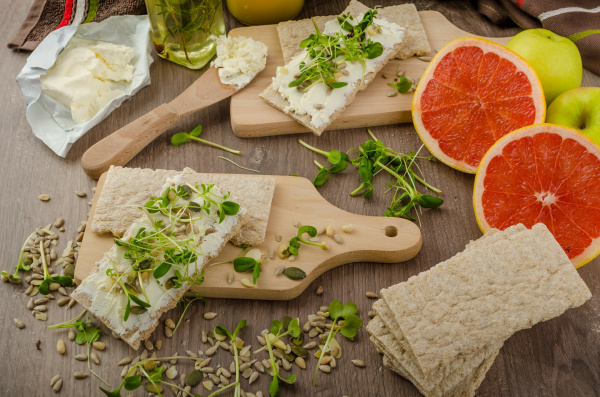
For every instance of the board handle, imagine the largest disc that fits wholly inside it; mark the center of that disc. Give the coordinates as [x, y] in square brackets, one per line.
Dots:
[122, 145]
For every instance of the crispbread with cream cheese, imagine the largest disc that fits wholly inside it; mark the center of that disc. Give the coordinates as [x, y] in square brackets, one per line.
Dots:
[125, 189]
[98, 292]
[472, 301]
[275, 98]
[291, 33]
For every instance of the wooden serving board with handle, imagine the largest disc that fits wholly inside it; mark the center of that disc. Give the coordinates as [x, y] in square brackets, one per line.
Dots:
[374, 239]
[253, 117]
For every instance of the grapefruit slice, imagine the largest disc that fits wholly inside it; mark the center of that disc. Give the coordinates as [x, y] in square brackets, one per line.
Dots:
[543, 173]
[473, 93]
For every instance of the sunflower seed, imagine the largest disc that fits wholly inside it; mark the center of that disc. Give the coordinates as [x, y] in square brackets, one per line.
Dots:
[57, 386]
[41, 316]
[60, 346]
[319, 290]
[99, 345]
[246, 374]
[259, 367]
[148, 345]
[54, 379]
[158, 344]
[392, 93]
[300, 362]
[372, 313]
[28, 292]
[372, 295]
[306, 327]
[230, 278]
[247, 283]
[310, 345]
[359, 363]
[44, 197]
[211, 350]
[80, 193]
[325, 368]
[204, 363]
[169, 323]
[168, 332]
[278, 238]
[124, 361]
[425, 59]
[63, 291]
[279, 270]
[171, 372]
[80, 357]
[253, 378]
[19, 323]
[329, 231]
[72, 303]
[59, 222]
[95, 358]
[80, 375]
[210, 315]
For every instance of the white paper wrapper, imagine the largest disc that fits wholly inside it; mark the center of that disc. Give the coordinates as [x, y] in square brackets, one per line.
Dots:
[50, 120]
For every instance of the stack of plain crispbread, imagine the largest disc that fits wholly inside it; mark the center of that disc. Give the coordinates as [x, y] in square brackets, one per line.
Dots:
[443, 328]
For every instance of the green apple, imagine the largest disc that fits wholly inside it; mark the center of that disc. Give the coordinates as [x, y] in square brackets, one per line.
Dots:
[578, 108]
[555, 59]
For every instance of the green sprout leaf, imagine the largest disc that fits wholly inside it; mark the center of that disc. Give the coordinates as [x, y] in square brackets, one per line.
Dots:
[132, 382]
[403, 85]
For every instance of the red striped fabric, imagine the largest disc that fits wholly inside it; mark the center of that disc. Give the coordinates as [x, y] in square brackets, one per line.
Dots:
[67, 15]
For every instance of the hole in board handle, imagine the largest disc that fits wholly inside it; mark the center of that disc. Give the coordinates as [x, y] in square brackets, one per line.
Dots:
[391, 231]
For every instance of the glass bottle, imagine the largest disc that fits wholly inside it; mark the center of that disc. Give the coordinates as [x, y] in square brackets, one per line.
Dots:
[183, 30]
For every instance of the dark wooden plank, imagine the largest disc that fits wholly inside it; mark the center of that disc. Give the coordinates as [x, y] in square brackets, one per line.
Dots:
[557, 358]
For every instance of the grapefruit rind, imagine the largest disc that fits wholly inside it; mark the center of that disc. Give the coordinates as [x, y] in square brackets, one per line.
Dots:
[593, 249]
[430, 143]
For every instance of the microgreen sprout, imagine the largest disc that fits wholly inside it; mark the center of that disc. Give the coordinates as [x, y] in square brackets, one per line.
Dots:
[326, 54]
[85, 334]
[339, 161]
[403, 85]
[44, 287]
[183, 301]
[277, 330]
[24, 262]
[352, 323]
[182, 137]
[224, 332]
[243, 264]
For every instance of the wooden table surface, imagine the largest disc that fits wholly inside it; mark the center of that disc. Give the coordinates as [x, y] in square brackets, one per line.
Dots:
[560, 357]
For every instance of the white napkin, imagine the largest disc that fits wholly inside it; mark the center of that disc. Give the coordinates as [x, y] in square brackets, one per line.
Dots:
[50, 120]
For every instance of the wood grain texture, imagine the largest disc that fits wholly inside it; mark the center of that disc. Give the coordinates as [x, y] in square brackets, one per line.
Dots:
[122, 145]
[557, 358]
[376, 239]
[372, 107]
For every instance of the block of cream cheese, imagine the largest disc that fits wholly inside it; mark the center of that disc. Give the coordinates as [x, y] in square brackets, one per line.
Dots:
[87, 75]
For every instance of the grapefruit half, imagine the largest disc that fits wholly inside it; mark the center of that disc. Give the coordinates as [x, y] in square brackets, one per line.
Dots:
[543, 173]
[473, 93]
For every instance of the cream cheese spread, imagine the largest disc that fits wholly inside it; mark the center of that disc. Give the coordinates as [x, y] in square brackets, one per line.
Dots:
[87, 75]
[320, 101]
[239, 59]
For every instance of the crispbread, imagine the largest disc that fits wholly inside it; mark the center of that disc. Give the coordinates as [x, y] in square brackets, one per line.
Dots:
[436, 386]
[125, 189]
[275, 99]
[141, 330]
[484, 297]
[291, 33]
[456, 384]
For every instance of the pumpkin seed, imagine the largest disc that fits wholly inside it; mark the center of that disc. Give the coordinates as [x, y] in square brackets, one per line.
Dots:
[210, 315]
[300, 351]
[138, 309]
[300, 362]
[193, 378]
[156, 388]
[294, 273]
[60, 346]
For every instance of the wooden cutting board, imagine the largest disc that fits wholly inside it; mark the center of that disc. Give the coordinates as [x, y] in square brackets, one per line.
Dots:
[253, 117]
[374, 239]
